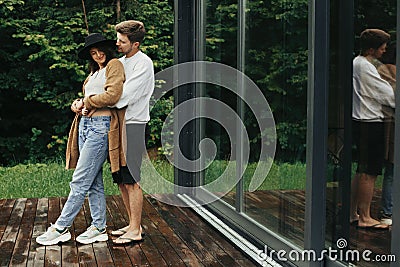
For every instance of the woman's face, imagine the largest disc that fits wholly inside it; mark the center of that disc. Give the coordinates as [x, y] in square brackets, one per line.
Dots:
[98, 56]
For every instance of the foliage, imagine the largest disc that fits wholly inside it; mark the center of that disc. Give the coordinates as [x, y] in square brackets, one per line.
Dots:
[41, 74]
[159, 19]
[161, 109]
[368, 17]
[275, 58]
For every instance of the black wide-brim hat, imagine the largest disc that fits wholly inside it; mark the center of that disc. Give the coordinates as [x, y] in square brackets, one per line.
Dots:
[92, 40]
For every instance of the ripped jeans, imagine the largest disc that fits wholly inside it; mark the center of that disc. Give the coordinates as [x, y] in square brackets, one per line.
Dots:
[88, 175]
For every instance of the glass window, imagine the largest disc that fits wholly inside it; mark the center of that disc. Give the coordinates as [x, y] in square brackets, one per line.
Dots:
[220, 46]
[275, 57]
[267, 42]
[342, 231]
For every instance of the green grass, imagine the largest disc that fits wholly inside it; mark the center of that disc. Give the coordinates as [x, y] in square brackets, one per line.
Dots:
[51, 179]
[41, 180]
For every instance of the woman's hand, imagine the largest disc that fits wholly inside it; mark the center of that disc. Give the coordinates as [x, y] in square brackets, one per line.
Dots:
[77, 106]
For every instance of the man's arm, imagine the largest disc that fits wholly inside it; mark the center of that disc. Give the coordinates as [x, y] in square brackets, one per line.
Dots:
[115, 77]
[380, 90]
[135, 86]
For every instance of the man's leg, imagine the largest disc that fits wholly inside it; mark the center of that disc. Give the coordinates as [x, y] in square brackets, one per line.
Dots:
[132, 196]
[125, 199]
[135, 205]
[354, 198]
[131, 191]
[366, 190]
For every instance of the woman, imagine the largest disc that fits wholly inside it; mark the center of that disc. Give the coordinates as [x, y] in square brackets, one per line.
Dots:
[386, 67]
[88, 142]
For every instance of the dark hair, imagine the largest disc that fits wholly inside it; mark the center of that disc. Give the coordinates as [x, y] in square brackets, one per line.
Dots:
[373, 38]
[389, 57]
[134, 29]
[109, 53]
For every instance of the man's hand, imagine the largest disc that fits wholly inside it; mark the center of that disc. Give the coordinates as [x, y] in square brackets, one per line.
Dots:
[88, 113]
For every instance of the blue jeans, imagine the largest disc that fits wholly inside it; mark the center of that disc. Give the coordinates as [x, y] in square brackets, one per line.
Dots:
[88, 175]
[387, 182]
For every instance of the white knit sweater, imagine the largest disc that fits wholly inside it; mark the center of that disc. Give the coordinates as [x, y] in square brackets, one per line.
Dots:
[138, 88]
[370, 92]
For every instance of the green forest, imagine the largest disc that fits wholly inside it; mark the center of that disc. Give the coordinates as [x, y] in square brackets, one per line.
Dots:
[41, 74]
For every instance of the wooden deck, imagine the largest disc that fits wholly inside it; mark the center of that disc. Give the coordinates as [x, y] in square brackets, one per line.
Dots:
[174, 237]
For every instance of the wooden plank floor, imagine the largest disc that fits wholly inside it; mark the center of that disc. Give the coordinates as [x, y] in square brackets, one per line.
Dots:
[174, 237]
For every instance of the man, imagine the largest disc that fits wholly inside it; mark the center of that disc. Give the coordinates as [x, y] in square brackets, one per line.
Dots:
[138, 88]
[370, 94]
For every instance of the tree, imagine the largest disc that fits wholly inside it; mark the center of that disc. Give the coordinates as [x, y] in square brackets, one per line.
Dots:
[275, 58]
[41, 74]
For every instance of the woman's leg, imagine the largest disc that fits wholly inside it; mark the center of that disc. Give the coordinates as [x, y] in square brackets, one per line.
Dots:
[93, 153]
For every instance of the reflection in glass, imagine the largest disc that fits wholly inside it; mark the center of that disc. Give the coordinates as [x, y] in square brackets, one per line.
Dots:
[275, 49]
[220, 46]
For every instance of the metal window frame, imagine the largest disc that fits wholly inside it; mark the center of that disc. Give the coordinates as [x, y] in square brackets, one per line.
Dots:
[395, 242]
[317, 126]
[185, 51]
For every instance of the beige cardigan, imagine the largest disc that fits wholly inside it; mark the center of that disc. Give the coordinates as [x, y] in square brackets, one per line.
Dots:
[115, 77]
[388, 72]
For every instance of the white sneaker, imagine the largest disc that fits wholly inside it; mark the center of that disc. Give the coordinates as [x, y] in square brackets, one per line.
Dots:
[386, 221]
[92, 234]
[53, 236]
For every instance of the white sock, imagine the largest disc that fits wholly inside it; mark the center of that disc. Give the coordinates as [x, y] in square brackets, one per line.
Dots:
[58, 227]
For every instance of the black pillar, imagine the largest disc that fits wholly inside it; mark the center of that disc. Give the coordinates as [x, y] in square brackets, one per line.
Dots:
[184, 46]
